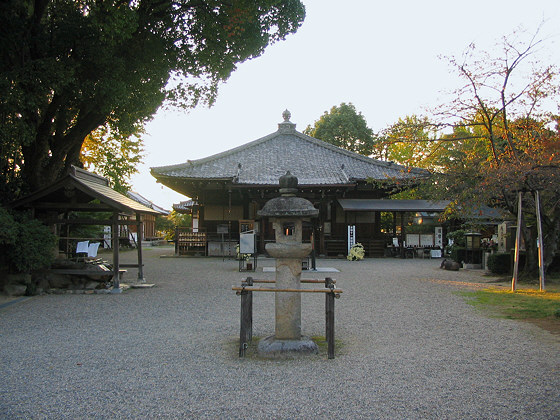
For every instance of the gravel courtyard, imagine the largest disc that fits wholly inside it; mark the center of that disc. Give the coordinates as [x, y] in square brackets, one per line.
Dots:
[409, 347]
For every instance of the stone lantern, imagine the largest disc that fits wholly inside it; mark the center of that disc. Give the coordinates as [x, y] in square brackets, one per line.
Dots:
[287, 214]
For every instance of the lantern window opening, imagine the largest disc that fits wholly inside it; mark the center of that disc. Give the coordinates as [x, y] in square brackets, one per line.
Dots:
[288, 229]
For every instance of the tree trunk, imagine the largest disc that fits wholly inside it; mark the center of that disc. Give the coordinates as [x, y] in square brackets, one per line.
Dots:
[551, 239]
[531, 251]
[52, 154]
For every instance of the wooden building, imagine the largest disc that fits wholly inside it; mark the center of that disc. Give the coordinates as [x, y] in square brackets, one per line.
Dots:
[227, 190]
[70, 201]
[149, 220]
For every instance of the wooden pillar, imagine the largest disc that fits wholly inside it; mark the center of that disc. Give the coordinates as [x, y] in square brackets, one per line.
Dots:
[139, 239]
[541, 242]
[403, 234]
[115, 238]
[329, 317]
[176, 241]
[377, 225]
[246, 321]
[323, 213]
[517, 242]
[67, 247]
[200, 217]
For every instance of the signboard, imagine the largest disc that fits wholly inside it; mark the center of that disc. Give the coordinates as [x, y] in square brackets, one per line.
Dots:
[195, 225]
[413, 239]
[427, 240]
[438, 241]
[107, 237]
[351, 236]
[247, 243]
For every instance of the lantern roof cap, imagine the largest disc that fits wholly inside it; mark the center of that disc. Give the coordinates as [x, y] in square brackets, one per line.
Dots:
[288, 205]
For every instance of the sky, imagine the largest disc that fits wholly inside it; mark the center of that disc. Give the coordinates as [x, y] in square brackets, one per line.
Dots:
[385, 57]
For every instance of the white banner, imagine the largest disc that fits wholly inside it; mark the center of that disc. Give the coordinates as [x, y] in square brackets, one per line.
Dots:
[351, 236]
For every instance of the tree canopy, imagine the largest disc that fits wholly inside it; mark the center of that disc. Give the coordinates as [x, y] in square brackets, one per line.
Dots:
[409, 141]
[68, 67]
[344, 127]
[498, 135]
[113, 157]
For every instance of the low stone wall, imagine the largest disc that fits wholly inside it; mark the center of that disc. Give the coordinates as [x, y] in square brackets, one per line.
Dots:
[48, 281]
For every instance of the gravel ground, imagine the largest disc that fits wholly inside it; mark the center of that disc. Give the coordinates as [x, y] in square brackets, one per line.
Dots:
[409, 347]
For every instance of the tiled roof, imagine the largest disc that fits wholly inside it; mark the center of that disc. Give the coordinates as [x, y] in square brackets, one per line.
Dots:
[263, 161]
[145, 202]
[393, 205]
[91, 187]
[184, 206]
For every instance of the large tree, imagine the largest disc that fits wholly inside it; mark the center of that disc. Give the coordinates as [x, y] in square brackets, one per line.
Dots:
[504, 139]
[344, 127]
[112, 156]
[508, 104]
[68, 67]
[411, 141]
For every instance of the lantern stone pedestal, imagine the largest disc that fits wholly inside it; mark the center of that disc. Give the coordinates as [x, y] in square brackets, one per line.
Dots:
[287, 213]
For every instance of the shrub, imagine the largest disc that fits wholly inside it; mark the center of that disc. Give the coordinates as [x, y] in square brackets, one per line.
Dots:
[458, 254]
[25, 244]
[458, 238]
[499, 263]
[357, 252]
[8, 229]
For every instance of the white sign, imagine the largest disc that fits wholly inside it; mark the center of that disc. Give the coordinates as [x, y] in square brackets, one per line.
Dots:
[247, 242]
[439, 236]
[107, 237]
[351, 236]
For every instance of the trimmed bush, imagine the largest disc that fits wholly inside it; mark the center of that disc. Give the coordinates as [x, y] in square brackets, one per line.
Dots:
[25, 244]
[8, 228]
[499, 263]
[458, 254]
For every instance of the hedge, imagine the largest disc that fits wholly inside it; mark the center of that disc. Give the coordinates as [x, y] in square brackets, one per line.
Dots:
[499, 263]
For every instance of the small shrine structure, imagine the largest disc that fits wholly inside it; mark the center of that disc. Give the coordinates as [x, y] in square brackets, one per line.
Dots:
[80, 192]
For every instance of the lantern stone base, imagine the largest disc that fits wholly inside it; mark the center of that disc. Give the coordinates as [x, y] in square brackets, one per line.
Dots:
[272, 348]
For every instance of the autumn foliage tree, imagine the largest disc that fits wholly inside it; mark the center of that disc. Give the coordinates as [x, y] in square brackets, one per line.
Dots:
[411, 141]
[68, 67]
[504, 138]
[113, 155]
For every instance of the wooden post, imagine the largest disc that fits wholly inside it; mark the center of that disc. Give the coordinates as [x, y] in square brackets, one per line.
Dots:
[249, 282]
[541, 242]
[176, 240]
[329, 309]
[329, 285]
[329, 318]
[115, 234]
[246, 321]
[139, 239]
[517, 242]
[403, 235]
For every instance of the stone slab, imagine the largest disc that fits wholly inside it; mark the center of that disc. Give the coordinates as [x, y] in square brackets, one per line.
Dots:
[318, 270]
[272, 348]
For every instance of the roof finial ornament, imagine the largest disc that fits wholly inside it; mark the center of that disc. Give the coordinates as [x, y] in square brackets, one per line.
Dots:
[286, 126]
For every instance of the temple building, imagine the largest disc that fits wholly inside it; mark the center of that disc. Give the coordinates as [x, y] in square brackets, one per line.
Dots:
[228, 189]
